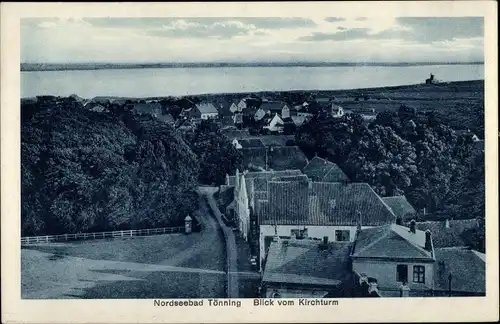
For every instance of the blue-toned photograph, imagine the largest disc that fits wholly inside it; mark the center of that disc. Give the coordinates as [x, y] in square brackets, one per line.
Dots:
[252, 157]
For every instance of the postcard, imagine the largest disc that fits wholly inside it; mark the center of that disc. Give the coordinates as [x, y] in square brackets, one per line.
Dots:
[249, 162]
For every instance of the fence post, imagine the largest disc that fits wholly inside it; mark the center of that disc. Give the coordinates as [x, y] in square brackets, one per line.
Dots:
[66, 237]
[121, 233]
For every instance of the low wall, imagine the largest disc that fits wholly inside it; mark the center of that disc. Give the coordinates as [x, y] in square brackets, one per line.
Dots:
[99, 235]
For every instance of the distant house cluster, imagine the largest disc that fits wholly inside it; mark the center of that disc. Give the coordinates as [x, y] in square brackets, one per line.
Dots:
[317, 234]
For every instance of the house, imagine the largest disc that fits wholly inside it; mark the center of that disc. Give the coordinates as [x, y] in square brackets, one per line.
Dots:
[259, 114]
[459, 272]
[397, 257]
[152, 109]
[235, 107]
[242, 105]
[274, 124]
[400, 207]
[321, 170]
[332, 210]
[246, 187]
[449, 233]
[307, 269]
[275, 107]
[337, 111]
[240, 207]
[238, 119]
[190, 112]
[207, 111]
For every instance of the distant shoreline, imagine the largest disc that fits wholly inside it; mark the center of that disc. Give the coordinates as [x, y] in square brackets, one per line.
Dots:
[266, 92]
[39, 67]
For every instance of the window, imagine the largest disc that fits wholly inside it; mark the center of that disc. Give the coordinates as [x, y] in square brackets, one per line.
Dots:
[419, 274]
[402, 273]
[342, 235]
[298, 233]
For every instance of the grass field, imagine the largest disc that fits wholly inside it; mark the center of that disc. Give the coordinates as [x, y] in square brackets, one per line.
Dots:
[163, 266]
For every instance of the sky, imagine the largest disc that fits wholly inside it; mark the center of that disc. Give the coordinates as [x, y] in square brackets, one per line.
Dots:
[252, 39]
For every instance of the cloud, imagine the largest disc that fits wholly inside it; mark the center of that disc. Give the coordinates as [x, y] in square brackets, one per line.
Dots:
[361, 19]
[334, 19]
[424, 30]
[278, 22]
[187, 29]
[428, 30]
[147, 23]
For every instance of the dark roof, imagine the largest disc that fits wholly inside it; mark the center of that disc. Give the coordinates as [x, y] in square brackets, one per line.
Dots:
[319, 169]
[276, 140]
[238, 134]
[400, 206]
[251, 142]
[448, 236]
[298, 203]
[274, 106]
[304, 262]
[392, 242]
[286, 158]
[467, 268]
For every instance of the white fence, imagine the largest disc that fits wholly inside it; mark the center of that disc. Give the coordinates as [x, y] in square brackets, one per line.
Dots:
[99, 235]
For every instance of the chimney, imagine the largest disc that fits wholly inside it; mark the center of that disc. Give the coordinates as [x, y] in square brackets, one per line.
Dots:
[227, 179]
[404, 290]
[428, 244]
[413, 226]
[447, 223]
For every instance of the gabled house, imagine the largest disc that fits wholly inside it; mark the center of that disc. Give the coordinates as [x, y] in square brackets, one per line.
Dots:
[337, 111]
[307, 269]
[234, 108]
[207, 111]
[274, 124]
[332, 210]
[190, 113]
[275, 107]
[242, 104]
[259, 114]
